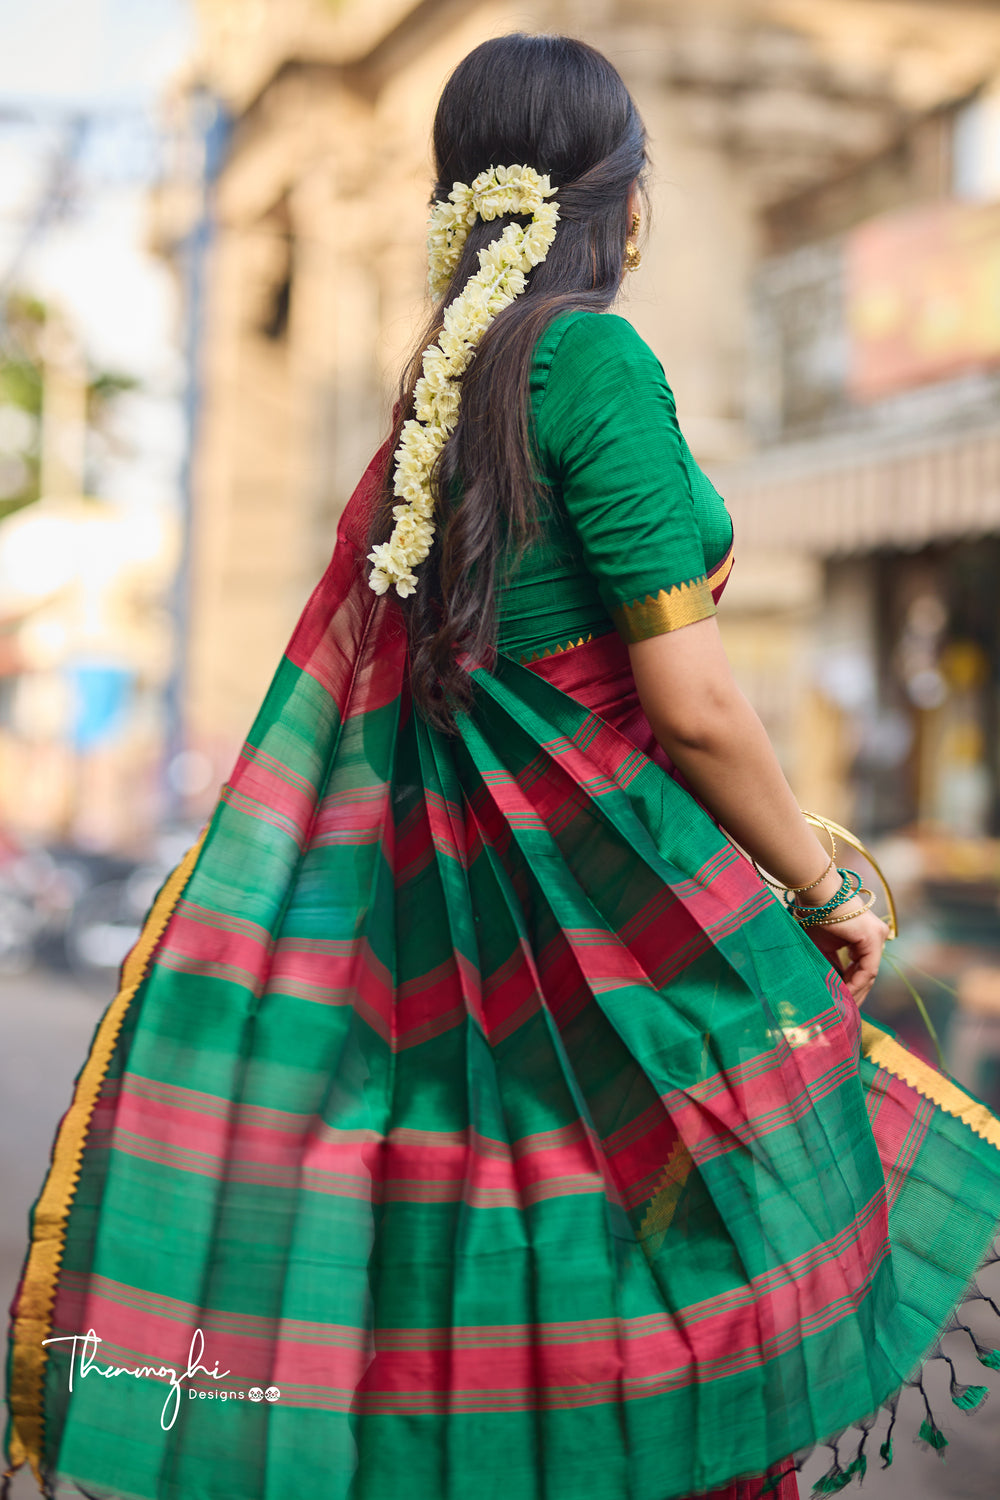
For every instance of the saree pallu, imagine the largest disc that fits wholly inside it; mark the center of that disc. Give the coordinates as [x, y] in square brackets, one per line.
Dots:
[473, 1119]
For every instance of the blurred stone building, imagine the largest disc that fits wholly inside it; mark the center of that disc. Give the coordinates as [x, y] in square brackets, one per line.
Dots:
[876, 335]
[790, 140]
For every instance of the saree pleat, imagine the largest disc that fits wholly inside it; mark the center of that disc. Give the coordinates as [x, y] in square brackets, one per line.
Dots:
[489, 1123]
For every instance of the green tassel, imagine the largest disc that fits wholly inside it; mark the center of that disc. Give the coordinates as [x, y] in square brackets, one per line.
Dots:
[838, 1479]
[932, 1436]
[988, 1357]
[885, 1453]
[831, 1484]
[969, 1397]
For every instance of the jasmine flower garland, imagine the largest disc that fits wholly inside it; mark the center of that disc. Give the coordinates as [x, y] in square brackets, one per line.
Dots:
[503, 269]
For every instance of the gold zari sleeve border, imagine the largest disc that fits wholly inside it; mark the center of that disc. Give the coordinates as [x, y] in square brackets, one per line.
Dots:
[37, 1293]
[683, 604]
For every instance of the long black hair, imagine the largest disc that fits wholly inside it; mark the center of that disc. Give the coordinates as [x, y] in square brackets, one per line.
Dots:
[555, 104]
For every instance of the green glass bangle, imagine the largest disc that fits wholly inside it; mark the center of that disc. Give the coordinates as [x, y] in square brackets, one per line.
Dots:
[843, 893]
[846, 916]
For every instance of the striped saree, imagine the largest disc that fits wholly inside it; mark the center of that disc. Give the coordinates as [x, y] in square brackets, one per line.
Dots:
[472, 1120]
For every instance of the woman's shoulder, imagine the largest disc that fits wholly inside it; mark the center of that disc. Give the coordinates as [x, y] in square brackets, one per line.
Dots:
[581, 329]
[579, 345]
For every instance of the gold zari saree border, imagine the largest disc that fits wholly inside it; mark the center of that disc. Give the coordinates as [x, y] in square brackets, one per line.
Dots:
[546, 651]
[885, 1052]
[38, 1284]
[721, 571]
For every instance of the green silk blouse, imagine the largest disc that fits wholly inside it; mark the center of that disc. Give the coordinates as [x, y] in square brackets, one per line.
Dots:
[632, 534]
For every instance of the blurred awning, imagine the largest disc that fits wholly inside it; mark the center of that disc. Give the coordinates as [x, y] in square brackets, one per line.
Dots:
[834, 498]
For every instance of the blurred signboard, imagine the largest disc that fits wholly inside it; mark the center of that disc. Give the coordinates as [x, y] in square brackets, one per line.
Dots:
[922, 290]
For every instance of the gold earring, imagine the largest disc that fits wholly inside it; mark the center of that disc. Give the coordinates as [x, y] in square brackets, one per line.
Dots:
[633, 255]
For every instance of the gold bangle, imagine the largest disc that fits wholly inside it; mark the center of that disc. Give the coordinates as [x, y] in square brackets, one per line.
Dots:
[845, 835]
[845, 917]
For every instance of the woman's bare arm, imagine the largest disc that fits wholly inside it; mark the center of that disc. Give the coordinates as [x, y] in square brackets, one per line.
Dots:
[711, 732]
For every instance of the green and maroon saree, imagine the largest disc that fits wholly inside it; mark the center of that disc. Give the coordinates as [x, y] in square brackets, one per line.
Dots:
[474, 1094]
[472, 1119]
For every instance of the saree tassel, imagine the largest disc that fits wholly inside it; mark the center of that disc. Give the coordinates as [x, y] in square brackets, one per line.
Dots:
[932, 1435]
[867, 1428]
[840, 1475]
[929, 1432]
[832, 1481]
[968, 1397]
[838, 1479]
[985, 1355]
[860, 1464]
[965, 1397]
[885, 1448]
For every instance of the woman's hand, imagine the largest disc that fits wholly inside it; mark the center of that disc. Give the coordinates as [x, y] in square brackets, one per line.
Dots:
[864, 936]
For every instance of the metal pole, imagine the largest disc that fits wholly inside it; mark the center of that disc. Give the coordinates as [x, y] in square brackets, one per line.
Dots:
[210, 126]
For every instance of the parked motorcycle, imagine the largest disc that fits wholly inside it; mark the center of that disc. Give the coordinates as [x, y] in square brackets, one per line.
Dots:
[107, 916]
[79, 909]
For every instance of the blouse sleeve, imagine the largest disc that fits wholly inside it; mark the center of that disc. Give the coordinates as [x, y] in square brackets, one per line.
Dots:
[607, 431]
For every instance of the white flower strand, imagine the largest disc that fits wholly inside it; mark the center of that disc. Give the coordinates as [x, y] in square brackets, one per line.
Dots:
[500, 191]
[503, 268]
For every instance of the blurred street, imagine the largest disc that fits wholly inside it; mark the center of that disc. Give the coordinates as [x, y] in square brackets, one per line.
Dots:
[47, 1021]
